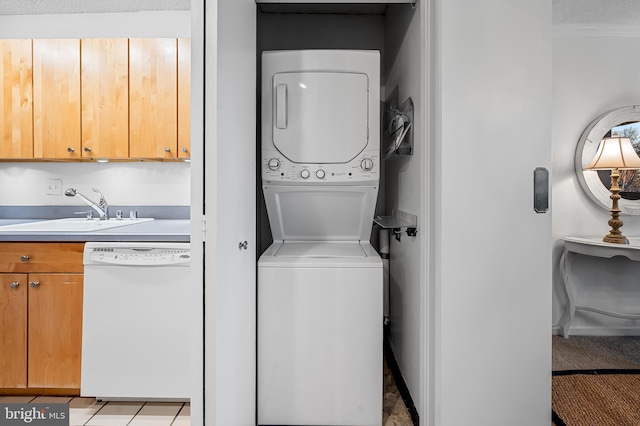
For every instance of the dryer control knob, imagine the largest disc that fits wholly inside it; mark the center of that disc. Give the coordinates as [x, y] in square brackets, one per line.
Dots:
[366, 164]
[274, 164]
[320, 174]
[305, 174]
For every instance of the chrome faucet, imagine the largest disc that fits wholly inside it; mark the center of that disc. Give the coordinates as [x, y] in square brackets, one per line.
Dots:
[101, 207]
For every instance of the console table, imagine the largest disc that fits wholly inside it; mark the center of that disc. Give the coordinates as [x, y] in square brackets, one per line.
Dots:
[592, 247]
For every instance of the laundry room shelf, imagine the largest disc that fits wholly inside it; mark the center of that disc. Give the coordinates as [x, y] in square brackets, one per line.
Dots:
[399, 221]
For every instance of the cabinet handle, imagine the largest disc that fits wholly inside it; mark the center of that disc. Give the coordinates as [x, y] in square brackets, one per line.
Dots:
[87, 149]
[14, 284]
[70, 149]
[167, 149]
[25, 258]
[185, 150]
[35, 284]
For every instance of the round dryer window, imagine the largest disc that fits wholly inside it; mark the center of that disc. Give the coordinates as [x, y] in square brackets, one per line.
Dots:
[320, 117]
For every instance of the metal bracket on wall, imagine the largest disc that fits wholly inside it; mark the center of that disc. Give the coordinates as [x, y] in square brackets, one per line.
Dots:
[398, 222]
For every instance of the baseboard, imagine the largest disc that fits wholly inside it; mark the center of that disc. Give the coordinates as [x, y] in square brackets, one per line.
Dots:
[400, 383]
[600, 331]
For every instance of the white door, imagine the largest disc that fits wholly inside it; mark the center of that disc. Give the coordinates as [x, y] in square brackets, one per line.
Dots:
[230, 212]
[493, 354]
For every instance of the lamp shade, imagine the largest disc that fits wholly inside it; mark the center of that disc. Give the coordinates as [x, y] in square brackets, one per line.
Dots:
[615, 153]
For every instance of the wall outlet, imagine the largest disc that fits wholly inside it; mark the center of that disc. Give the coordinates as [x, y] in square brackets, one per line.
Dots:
[53, 187]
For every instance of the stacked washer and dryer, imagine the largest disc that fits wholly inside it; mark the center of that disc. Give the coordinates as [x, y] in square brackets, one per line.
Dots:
[320, 313]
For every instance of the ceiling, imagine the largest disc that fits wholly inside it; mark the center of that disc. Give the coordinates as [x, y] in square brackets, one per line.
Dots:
[565, 12]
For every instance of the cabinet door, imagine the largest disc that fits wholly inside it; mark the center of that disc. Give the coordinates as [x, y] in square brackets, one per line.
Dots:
[55, 330]
[184, 98]
[16, 108]
[56, 98]
[13, 329]
[153, 98]
[105, 98]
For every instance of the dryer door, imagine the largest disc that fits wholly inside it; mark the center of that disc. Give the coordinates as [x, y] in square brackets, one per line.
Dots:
[320, 117]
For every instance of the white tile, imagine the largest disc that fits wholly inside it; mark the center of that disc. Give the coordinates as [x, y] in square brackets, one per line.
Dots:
[45, 399]
[184, 416]
[82, 409]
[156, 414]
[16, 399]
[115, 414]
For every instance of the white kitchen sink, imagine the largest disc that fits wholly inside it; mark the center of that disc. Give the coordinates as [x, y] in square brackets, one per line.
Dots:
[71, 225]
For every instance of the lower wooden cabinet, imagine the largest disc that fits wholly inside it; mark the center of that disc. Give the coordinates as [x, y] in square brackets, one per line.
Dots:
[41, 320]
[13, 324]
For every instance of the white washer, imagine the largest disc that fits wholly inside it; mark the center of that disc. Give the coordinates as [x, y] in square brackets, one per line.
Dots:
[320, 314]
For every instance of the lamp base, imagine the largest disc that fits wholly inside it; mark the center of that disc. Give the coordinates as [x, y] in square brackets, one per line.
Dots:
[615, 239]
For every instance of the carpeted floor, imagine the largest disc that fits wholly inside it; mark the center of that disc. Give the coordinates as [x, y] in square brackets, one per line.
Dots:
[612, 391]
[595, 352]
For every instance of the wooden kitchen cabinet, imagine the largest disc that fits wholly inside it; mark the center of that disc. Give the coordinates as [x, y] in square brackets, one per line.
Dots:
[13, 327]
[72, 99]
[55, 330]
[153, 94]
[56, 99]
[184, 98]
[105, 98]
[16, 93]
[41, 316]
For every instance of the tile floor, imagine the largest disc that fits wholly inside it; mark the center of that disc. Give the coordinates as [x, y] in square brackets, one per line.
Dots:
[89, 412]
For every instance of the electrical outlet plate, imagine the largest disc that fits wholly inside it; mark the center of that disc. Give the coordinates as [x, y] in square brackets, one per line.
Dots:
[53, 187]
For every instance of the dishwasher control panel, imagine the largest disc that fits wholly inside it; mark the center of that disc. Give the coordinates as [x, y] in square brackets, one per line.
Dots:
[138, 256]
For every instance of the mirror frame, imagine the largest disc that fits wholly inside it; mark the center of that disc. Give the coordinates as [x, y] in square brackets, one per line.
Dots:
[585, 151]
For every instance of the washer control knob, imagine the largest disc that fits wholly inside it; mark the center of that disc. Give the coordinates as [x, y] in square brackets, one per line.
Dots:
[274, 164]
[320, 174]
[366, 164]
[305, 174]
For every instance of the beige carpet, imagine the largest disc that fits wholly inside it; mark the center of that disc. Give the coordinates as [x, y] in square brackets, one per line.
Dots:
[595, 352]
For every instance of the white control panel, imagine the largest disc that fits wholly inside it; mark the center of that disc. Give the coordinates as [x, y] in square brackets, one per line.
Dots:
[141, 256]
[277, 168]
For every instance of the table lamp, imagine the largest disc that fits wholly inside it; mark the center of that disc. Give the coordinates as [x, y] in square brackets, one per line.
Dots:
[615, 153]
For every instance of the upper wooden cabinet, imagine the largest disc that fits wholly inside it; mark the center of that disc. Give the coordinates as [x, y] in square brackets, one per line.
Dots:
[153, 95]
[105, 98]
[184, 98]
[16, 91]
[56, 99]
[72, 99]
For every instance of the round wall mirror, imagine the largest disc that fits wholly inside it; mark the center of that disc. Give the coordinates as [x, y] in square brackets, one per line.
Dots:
[596, 184]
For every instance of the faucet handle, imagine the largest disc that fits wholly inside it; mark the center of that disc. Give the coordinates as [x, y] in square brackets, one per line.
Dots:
[102, 199]
[89, 214]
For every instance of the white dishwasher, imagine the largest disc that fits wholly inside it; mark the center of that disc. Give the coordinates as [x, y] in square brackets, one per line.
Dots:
[136, 321]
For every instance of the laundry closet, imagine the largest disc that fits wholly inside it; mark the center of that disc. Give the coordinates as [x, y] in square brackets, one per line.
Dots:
[393, 30]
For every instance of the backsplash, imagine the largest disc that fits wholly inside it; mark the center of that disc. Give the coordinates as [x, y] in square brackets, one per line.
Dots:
[122, 184]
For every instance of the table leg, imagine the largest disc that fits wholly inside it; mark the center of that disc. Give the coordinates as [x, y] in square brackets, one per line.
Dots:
[565, 268]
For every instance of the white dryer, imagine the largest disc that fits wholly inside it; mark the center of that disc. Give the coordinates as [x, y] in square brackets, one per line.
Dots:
[320, 314]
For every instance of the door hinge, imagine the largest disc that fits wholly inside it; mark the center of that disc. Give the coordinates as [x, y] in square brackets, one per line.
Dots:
[204, 228]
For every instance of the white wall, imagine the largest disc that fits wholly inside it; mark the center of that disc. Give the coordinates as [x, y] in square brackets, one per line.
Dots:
[405, 189]
[493, 252]
[147, 183]
[595, 70]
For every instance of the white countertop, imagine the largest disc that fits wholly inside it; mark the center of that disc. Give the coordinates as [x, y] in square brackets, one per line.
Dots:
[155, 230]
